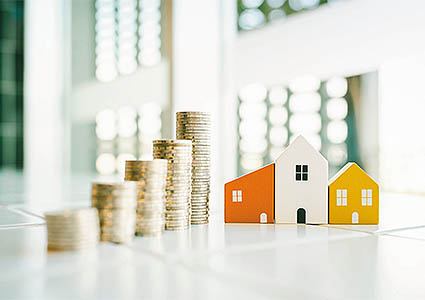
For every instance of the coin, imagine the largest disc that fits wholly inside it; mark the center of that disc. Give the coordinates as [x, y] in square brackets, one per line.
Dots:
[75, 229]
[116, 204]
[151, 176]
[195, 126]
[177, 203]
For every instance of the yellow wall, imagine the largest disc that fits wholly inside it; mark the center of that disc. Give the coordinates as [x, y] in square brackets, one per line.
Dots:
[354, 179]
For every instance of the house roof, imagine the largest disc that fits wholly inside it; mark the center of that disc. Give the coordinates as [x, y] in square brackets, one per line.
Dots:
[344, 169]
[340, 172]
[302, 141]
[250, 173]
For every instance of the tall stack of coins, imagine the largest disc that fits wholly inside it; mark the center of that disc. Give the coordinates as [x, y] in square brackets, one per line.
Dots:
[116, 204]
[75, 229]
[177, 205]
[196, 126]
[151, 176]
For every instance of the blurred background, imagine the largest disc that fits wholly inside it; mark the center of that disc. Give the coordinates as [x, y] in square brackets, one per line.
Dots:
[87, 84]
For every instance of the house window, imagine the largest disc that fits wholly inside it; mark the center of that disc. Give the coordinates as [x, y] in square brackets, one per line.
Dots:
[301, 172]
[367, 197]
[237, 196]
[341, 197]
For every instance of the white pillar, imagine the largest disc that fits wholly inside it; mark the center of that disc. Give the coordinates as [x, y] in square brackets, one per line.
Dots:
[44, 94]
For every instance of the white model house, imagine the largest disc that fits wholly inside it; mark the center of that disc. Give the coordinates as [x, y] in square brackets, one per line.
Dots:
[301, 185]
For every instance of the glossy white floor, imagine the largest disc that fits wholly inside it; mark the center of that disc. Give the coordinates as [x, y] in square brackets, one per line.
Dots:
[217, 261]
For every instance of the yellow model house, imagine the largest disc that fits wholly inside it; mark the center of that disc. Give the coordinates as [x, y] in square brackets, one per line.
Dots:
[353, 197]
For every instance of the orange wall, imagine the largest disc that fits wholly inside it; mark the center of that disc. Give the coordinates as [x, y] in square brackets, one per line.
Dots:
[257, 197]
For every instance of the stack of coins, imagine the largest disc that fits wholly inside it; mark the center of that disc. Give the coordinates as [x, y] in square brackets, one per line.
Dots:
[151, 176]
[116, 204]
[75, 229]
[177, 205]
[196, 126]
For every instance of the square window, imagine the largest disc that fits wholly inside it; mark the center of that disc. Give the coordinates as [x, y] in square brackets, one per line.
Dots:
[344, 193]
[301, 172]
[364, 193]
[344, 201]
[338, 193]
[338, 201]
[369, 201]
[363, 201]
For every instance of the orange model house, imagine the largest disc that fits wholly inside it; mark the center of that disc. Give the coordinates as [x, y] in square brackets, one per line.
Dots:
[353, 197]
[250, 198]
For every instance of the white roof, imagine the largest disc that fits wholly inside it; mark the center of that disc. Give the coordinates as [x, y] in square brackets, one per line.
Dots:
[301, 141]
[340, 172]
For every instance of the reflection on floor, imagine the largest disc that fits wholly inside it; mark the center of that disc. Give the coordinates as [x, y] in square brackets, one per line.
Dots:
[218, 261]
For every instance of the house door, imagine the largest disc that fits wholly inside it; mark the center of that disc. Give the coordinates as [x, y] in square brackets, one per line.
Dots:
[301, 216]
[355, 218]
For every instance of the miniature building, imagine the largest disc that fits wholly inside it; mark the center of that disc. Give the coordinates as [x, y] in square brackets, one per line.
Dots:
[250, 198]
[301, 175]
[353, 197]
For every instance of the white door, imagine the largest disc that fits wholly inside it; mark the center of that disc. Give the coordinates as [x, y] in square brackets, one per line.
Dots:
[355, 218]
[263, 218]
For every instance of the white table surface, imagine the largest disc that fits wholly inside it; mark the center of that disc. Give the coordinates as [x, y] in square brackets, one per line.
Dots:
[218, 261]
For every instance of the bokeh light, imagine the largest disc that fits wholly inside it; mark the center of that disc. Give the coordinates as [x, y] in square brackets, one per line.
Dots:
[304, 84]
[337, 154]
[252, 3]
[337, 131]
[305, 102]
[278, 136]
[337, 87]
[255, 92]
[251, 161]
[278, 95]
[278, 115]
[251, 18]
[250, 111]
[337, 109]
[305, 123]
[105, 164]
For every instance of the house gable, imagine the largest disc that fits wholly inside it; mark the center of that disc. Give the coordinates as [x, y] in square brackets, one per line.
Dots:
[301, 181]
[300, 144]
[353, 197]
[250, 198]
[349, 168]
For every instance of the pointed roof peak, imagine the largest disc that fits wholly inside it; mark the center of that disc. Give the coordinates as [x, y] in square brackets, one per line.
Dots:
[300, 140]
[345, 169]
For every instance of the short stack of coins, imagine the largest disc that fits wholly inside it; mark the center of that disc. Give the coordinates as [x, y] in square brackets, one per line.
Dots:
[178, 187]
[116, 204]
[73, 229]
[151, 176]
[196, 126]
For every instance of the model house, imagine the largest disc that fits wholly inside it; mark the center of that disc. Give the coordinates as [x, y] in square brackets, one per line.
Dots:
[301, 188]
[295, 189]
[353, 197]
[250, 198]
